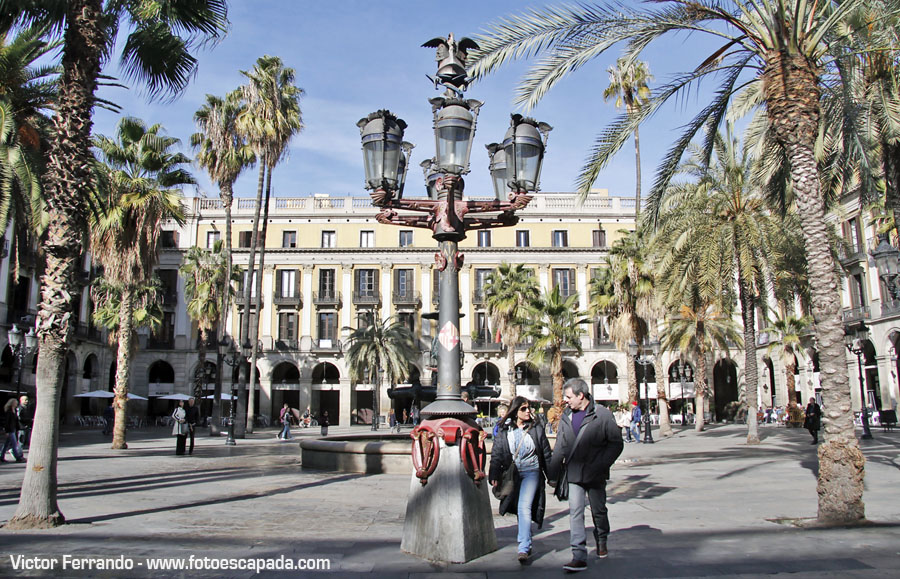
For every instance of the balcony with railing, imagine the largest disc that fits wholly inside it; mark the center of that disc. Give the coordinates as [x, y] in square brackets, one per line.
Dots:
[890, 308]
[478, 297]
[211, 343]
[326, 345]
[287, 345]
[856, 314]
[290, 297]
[87, 332]
[602, 343]
[160, 343]
[479, 345]
[328, 298]
[366, 298]
[407, 298]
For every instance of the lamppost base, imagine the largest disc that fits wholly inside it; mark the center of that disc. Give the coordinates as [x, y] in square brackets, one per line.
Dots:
[866, 437]
[449, 519]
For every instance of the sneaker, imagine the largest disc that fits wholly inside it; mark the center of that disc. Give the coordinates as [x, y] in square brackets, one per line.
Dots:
[575, 565]
[601, 550]
[523, 558]
[20, 460]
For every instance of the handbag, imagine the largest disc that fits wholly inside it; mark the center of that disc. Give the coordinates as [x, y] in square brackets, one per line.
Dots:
[561, 491]
[508, 481]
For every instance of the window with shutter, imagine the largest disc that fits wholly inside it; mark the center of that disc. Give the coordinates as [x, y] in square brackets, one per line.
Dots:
[599, 237]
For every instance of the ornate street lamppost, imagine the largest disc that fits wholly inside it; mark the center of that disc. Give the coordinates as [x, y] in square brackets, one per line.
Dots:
[644, 359]
[233, 358]
[854, 341]
[21, 349]
[455, 494]
[887, 262]
[684, 373]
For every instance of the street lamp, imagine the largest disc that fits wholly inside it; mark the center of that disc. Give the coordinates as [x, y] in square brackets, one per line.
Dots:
[641, 357]
[233, 358]
[887, 262]
[515, 171]
[853, 339]
[684, 372]
[21, 349]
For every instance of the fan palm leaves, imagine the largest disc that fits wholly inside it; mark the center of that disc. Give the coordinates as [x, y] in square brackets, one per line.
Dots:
[508, 291]
[556, 325]
[141, 180]
[159, 39]
[786, 336]
[786, 47]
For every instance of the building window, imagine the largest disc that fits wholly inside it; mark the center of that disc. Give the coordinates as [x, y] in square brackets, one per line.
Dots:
[287, 326]
[601, 332]
[244, 238]
[289, 239]
[367, 239]
[564, 279]
[326, 327]
[853, 236]
[168, 239]
[408, 319]
[484, 238]
[329, 239]
[252, 284]
[365, 319]
[212, 237]
[326, 282]
[406, 238]
[857, 290]
[523, 238]
[560, 238]
[481, 277]
[287, 283]
[367, 282]
[599, 236]
[482, 328]
[403, 282]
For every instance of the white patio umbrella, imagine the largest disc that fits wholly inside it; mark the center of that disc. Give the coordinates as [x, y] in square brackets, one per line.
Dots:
[106, 394]
[223, 395]
[178, 396]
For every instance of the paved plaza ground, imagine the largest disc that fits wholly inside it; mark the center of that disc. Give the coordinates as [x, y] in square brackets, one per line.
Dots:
[692, 505]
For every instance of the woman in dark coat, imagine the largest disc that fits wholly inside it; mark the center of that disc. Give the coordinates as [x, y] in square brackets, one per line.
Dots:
[521, 440]
[813, 421]
[11, 423]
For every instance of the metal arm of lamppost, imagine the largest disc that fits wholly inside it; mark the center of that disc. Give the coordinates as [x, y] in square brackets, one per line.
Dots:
[856, 347]
[233, 358]
[21, 349]
[641, 357]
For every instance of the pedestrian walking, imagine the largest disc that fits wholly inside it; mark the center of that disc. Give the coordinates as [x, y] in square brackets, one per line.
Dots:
[636, 421]
[192, 419]
[11, 423]
[587, 445]
[323, 423]
[25, 413]
[285, 418]
[521, 446]
[623, 421]
[813, 420]
[180, 429]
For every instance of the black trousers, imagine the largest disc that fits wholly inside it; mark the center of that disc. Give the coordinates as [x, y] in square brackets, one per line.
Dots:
[191, 434]
[179, 443]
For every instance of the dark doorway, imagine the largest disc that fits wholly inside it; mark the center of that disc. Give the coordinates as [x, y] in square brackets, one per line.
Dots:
[726, 386]
[329, 400]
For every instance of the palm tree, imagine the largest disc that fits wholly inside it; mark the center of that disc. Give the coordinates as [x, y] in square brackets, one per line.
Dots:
[787, 334]
[628, 84]
[698, 331]
[206, 278]
[27, 93]
[146, 310]
[142, 180]
[268, 122]
[507, 292]
[386, 348]
[784, 46]
[224, 153]
[728, 233]
[88, 29]
[555, 325]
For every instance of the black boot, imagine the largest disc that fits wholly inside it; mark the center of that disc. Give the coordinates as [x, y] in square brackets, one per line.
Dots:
[601, 545]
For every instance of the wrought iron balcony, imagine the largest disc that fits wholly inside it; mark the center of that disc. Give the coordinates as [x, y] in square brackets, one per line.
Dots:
[602, 342]
[486, 346]
[856, 314]
[326, 345]
[407, 298]
[211, 343]
[288, 300]
[328, 298]
[154, 343]
[366, 298]
[287, 345]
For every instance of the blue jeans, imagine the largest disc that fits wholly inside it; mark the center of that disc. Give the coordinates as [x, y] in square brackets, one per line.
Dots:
[527, 489]
[597, 497]
[286, 431]
[12, 443]
[636, 431]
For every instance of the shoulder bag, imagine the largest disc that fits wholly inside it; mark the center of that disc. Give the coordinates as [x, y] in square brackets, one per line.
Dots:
[508, 481]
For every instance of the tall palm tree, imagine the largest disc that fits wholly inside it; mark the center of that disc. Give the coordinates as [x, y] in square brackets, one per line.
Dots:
[89, 30]
[224, 153]
[628, 84]
[146, 311]
[555, 325]
[698, 331]
[268, 122]
[387, 349]
[206, 278]
[507, 292]
[141, 188]
[726, 231]
[784, 46]
[786, 336]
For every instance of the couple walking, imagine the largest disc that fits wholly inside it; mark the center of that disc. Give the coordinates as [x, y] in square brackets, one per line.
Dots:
[587, 444]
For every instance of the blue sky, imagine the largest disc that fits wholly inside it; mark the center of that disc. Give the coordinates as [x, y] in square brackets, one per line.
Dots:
[354, 57]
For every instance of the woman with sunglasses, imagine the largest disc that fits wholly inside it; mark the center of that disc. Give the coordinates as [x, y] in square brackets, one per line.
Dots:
[521, 441]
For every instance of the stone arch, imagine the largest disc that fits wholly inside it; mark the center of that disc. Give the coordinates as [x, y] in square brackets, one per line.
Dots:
[570, 369]
[604, 372]
[285, 373]
[162, 372]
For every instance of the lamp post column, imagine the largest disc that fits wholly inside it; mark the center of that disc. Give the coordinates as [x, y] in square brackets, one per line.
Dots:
[863, 399]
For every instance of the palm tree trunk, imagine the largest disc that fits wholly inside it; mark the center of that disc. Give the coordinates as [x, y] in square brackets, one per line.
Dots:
[556, 372]
[511, 364]
[700, 389]
[637, 177]
[123, 367]
[247, 370]
[251, 396]
[662, 400]
[632, 379]
[222, 330]
[200, 374]
[891, 159]
[792, 101]
[67, 184]
[751, 378]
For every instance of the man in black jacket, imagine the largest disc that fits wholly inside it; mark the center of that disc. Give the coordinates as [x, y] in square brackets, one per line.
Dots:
[588, 442]
[192, 417]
